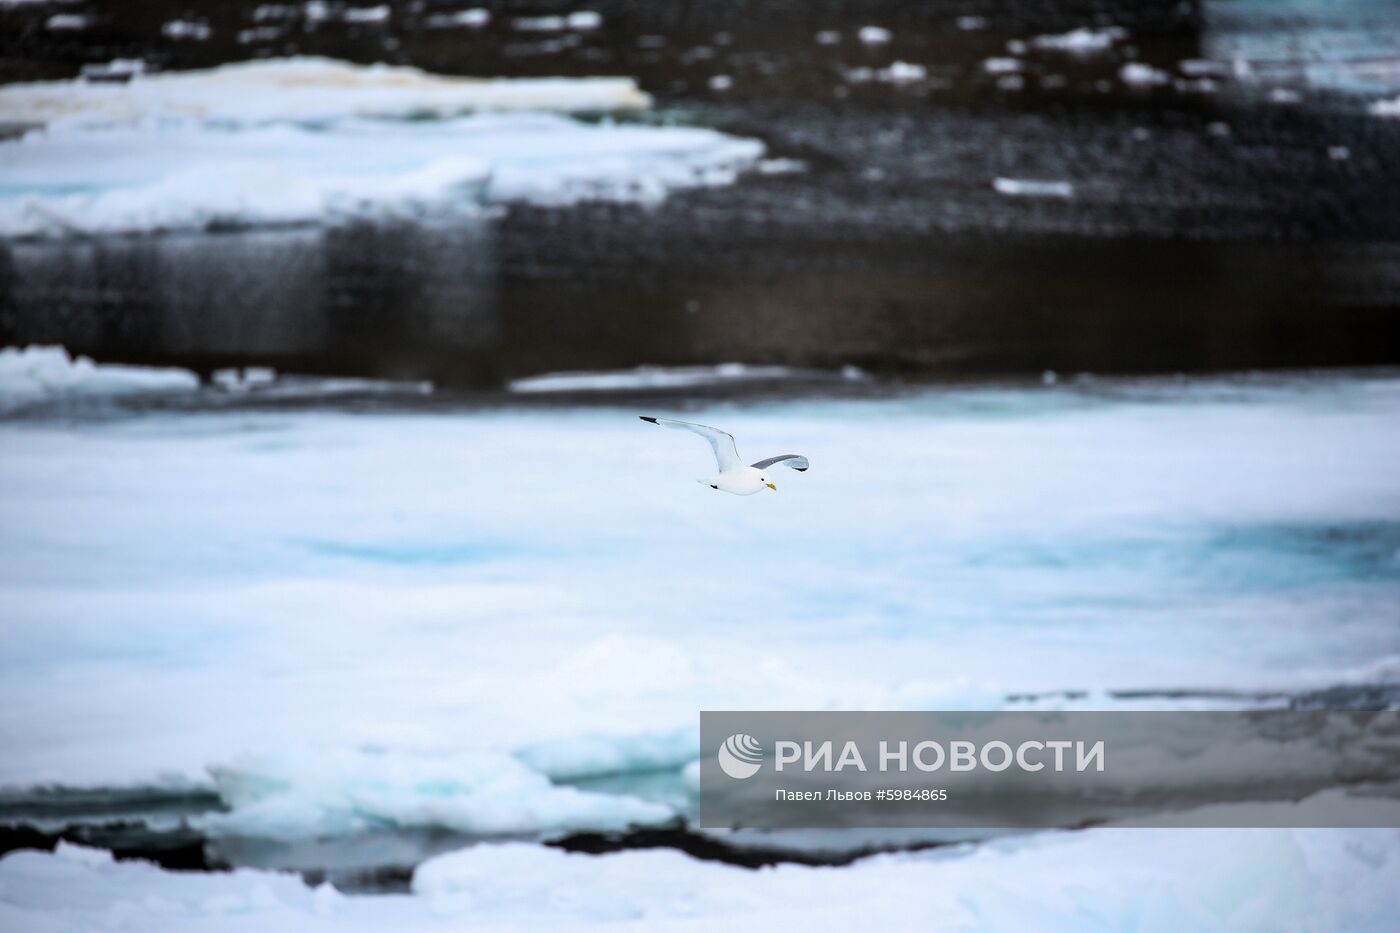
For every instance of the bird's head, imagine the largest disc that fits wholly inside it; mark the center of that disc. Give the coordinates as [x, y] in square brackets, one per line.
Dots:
[764, 481]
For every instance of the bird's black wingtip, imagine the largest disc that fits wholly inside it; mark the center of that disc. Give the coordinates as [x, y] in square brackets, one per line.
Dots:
[647, 418]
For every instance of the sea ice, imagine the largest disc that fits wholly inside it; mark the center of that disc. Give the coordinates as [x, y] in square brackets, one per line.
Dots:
[1033, 188]
[1385, 108]
[36, 374]
[320, 792]
[653, 377]
[186, 29]
[307, 140]
[1081, 41]
[1093, 880]
[1140, 74]
[302, 90]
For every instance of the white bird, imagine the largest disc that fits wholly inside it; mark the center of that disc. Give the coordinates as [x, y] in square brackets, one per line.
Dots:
[733, 476]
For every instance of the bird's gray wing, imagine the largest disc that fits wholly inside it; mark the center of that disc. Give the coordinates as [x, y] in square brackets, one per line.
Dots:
[726, 454]
[795, 461]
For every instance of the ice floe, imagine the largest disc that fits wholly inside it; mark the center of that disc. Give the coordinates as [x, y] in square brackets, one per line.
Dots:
[475, 18]
[319, 792]
[1033, 187]
[667, 377]
[399, 587]
[306, 90]
[1385, 108]
[1101, 879]
[36, 374]
[305, 140]
[67, 22]
[1081, 41]
[581, 20]
[1140, 74]
[186, 29]
[586, 756]
[997, 66]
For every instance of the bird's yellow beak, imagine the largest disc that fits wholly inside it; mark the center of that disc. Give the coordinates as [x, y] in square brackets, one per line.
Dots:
[771, 486]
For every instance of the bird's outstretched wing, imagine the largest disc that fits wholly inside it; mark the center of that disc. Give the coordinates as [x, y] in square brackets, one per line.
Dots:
[795, 461]
[726, 454]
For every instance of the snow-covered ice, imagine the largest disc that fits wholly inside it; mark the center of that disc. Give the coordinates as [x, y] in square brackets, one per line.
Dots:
[437, 620]
[193, 30]
[303, 90]
[321, 792]
[1033, 187]
[67, 22]
[1081, 41]
[1140, 74]
[654, 377]
[304, 140]
[998, 66]
[33, 375]
[183, 590]
[581, 20]
[1385, 108]
[474, 18]
[1096, 880]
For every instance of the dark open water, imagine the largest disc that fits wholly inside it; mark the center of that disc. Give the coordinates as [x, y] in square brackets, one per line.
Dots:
[1208, 230]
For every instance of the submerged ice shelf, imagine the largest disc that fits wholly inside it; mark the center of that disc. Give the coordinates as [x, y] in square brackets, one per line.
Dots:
[307, 140]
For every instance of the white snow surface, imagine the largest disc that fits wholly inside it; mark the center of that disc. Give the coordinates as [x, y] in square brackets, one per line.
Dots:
[653, 377]
[1081, 41]
[307, 140]
[189, 596]
[1385, 108]
[325, 792]
[1087, 882]
[1033, 187]
[304, 89]
[37, 374]
[396, 620]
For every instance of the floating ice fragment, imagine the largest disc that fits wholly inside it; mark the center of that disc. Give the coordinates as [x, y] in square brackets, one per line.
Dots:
[67, 22]
[780, 166]
[366, 14]
[1033, 188]
[874, 35]
[38, 374]
[652, 377]
[1385, 108]
[1202, 68]
[1139, 74]
[117, 70]
[1082, 41]
[472, 19]
[186, 29]
[903, 73]
[582, 20]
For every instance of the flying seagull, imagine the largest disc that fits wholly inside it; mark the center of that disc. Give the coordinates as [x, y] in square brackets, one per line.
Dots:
[733, 475]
